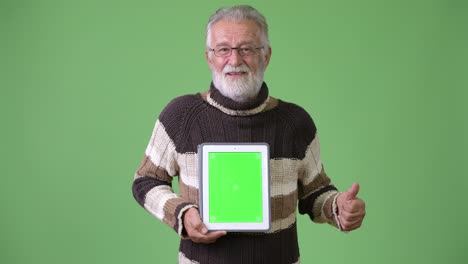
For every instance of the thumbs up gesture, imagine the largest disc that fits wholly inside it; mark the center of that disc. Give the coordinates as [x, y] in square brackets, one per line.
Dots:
[351, 209]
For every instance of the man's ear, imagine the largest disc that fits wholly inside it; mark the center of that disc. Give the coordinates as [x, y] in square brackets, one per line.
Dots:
[267, 56]
[208, 59]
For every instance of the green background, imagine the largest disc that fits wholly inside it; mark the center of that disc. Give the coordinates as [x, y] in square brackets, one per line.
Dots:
[82, 83]
[235, 187]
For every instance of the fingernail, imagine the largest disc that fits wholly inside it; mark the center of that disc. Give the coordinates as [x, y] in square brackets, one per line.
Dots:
[204, 230]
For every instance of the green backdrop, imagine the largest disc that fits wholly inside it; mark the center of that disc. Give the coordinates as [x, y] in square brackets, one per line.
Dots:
[82, 83]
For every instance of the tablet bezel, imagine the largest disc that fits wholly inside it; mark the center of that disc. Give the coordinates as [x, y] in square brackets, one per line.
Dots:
[203, 151]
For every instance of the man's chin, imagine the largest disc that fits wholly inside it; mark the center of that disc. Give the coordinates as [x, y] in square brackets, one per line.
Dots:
[240, 94]
[239, 88]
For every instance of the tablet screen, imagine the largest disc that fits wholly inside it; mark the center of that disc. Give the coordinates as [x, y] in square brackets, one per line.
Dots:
[235, 187]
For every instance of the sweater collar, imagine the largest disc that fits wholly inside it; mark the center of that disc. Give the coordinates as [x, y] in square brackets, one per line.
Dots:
[231, 107]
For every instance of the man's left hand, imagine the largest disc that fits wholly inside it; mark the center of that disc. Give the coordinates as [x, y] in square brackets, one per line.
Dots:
[351, 209]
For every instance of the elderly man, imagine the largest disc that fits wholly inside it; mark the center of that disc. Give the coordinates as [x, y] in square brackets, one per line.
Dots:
[238, 108]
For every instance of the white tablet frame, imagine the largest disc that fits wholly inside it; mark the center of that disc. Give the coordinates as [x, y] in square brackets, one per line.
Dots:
[203, 151]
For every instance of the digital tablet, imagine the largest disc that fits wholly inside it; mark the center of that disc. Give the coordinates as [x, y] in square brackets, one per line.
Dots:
[235, 186]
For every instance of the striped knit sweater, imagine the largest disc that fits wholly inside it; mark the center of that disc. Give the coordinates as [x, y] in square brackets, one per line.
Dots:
[298, 179]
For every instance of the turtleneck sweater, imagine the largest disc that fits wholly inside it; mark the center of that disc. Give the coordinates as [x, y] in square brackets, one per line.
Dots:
[297, 177]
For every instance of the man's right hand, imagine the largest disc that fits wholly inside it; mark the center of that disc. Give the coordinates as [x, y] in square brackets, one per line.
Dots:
[196, 230]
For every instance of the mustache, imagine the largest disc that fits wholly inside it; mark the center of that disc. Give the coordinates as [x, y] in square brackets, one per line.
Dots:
[241, 68]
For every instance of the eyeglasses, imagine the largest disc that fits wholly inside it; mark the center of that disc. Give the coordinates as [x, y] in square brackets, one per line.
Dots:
[226, 51]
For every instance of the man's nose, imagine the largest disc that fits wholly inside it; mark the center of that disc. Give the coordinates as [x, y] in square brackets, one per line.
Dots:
[235, 59]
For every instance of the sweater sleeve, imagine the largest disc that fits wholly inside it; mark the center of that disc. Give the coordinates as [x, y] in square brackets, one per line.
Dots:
[152, 184]
[317, 195]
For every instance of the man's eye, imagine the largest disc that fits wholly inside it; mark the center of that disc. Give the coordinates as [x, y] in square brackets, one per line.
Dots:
[246, 50]
[223, 50]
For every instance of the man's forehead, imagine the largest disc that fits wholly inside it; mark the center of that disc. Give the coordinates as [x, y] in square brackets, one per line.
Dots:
[237, 31]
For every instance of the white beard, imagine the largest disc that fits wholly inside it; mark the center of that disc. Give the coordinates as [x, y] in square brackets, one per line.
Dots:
[239, 89]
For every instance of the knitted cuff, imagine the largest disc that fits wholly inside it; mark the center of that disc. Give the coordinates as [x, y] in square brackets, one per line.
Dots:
[180, 220]
[335, 214]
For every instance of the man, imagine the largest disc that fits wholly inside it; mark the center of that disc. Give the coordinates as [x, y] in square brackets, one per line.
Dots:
[237, 108]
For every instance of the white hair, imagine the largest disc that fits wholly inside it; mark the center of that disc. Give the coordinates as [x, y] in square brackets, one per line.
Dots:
[239, 13]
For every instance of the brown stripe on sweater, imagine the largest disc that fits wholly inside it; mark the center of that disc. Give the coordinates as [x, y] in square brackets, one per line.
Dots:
[283, 206]
[325, 199]
[190, 194]
[328, 209]
[148, 168]
[170, 215]
[319, 181]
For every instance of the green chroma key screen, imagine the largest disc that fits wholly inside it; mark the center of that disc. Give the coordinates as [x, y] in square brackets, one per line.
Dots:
[235, 187]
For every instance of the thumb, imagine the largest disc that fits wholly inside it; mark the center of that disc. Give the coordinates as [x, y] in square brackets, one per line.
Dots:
[196, 222]
[203, 229]
[200, 227]
[352, 192]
